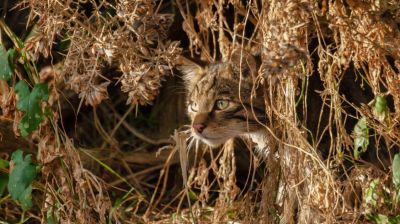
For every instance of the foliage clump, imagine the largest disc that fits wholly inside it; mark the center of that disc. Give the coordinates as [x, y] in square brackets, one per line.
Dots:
[97, 56]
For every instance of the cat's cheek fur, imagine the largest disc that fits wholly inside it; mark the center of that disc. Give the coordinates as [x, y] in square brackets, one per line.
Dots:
[262, 141]
[213, 143]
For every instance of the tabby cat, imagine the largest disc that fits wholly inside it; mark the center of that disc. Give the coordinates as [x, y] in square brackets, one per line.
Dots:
[223, 103]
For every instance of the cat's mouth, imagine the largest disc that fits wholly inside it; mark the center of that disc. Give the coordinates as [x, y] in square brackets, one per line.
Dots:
[211, 141]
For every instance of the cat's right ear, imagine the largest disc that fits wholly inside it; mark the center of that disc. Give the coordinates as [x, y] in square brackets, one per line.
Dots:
[192, 72]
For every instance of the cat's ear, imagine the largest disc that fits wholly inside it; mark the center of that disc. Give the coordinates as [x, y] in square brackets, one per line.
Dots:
[243, 62]
[192, 71]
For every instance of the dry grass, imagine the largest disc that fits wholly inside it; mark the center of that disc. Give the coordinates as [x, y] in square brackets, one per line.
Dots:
[102, 161]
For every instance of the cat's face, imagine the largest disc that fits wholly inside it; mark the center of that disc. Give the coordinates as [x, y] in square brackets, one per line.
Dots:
[219, 103]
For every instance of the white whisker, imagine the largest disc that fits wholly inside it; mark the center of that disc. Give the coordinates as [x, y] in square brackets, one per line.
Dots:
[197, 144]
[190, 144]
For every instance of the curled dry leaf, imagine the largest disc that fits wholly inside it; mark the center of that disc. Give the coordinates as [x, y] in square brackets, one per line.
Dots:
[51, 75]
[38, 45]
[141, 84]
[7, 99]
[47, 153]
[94, 94]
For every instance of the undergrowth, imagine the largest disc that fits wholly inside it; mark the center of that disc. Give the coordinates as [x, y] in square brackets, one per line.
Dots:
[89, 96]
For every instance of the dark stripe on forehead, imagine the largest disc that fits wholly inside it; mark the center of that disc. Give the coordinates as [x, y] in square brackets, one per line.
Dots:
[225, 93]
[213, 83]
[205, 84]
[195, 89]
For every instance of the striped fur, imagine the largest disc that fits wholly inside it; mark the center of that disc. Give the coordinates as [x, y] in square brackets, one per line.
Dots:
[244, 114]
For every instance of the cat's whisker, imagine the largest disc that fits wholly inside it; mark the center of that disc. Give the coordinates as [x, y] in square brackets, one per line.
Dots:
[190, 144]
[197, 144]
[190, 139]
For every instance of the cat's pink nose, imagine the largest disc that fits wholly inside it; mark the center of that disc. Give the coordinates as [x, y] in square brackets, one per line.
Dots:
[199, 127]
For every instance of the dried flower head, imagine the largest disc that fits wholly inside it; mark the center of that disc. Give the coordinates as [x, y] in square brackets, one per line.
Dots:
[142, 84]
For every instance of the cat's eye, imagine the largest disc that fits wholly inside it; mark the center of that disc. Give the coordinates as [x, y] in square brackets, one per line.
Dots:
[222, 104]
[193, 106]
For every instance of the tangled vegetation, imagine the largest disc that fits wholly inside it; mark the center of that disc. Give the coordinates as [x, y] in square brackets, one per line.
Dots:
[93, 126]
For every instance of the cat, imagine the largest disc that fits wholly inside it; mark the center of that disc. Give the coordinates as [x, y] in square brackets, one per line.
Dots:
[223, 101]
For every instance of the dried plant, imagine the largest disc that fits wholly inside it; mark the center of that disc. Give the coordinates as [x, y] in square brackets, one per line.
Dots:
[130, 45]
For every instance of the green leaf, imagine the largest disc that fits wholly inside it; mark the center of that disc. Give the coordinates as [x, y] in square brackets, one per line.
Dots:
[396, 170]
[395, 219]
[50, 217]
[361, 137]
[4, 164]
[26, 198]
[32, 33]
[371, 196]
[6, 63]
[3, 176]
[21, 177]
[378, 218]
[192, 195]
[3, 182]
[29, 102]
[232, 214]
[380, 104]
[380, 109]
[383, 219]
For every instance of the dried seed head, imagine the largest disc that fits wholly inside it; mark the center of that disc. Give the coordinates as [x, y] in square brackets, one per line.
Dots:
[142, 84]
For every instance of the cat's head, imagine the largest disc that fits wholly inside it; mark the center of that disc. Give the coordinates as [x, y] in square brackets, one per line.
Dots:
[219, 101]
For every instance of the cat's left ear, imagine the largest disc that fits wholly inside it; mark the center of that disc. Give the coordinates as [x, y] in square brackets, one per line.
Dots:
[243, 61]
[192, 71]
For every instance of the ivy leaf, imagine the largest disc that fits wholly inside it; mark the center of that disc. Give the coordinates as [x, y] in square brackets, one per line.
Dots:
[396, 170]
[29, 102]
[21, 177]
[26, 198]
[361, 137]
[6, 63]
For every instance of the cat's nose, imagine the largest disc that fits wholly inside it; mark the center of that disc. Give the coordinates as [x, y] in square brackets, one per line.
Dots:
[199, 127]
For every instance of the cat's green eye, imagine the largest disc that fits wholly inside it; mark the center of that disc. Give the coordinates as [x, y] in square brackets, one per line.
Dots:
[222, 104]
[193, 106]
